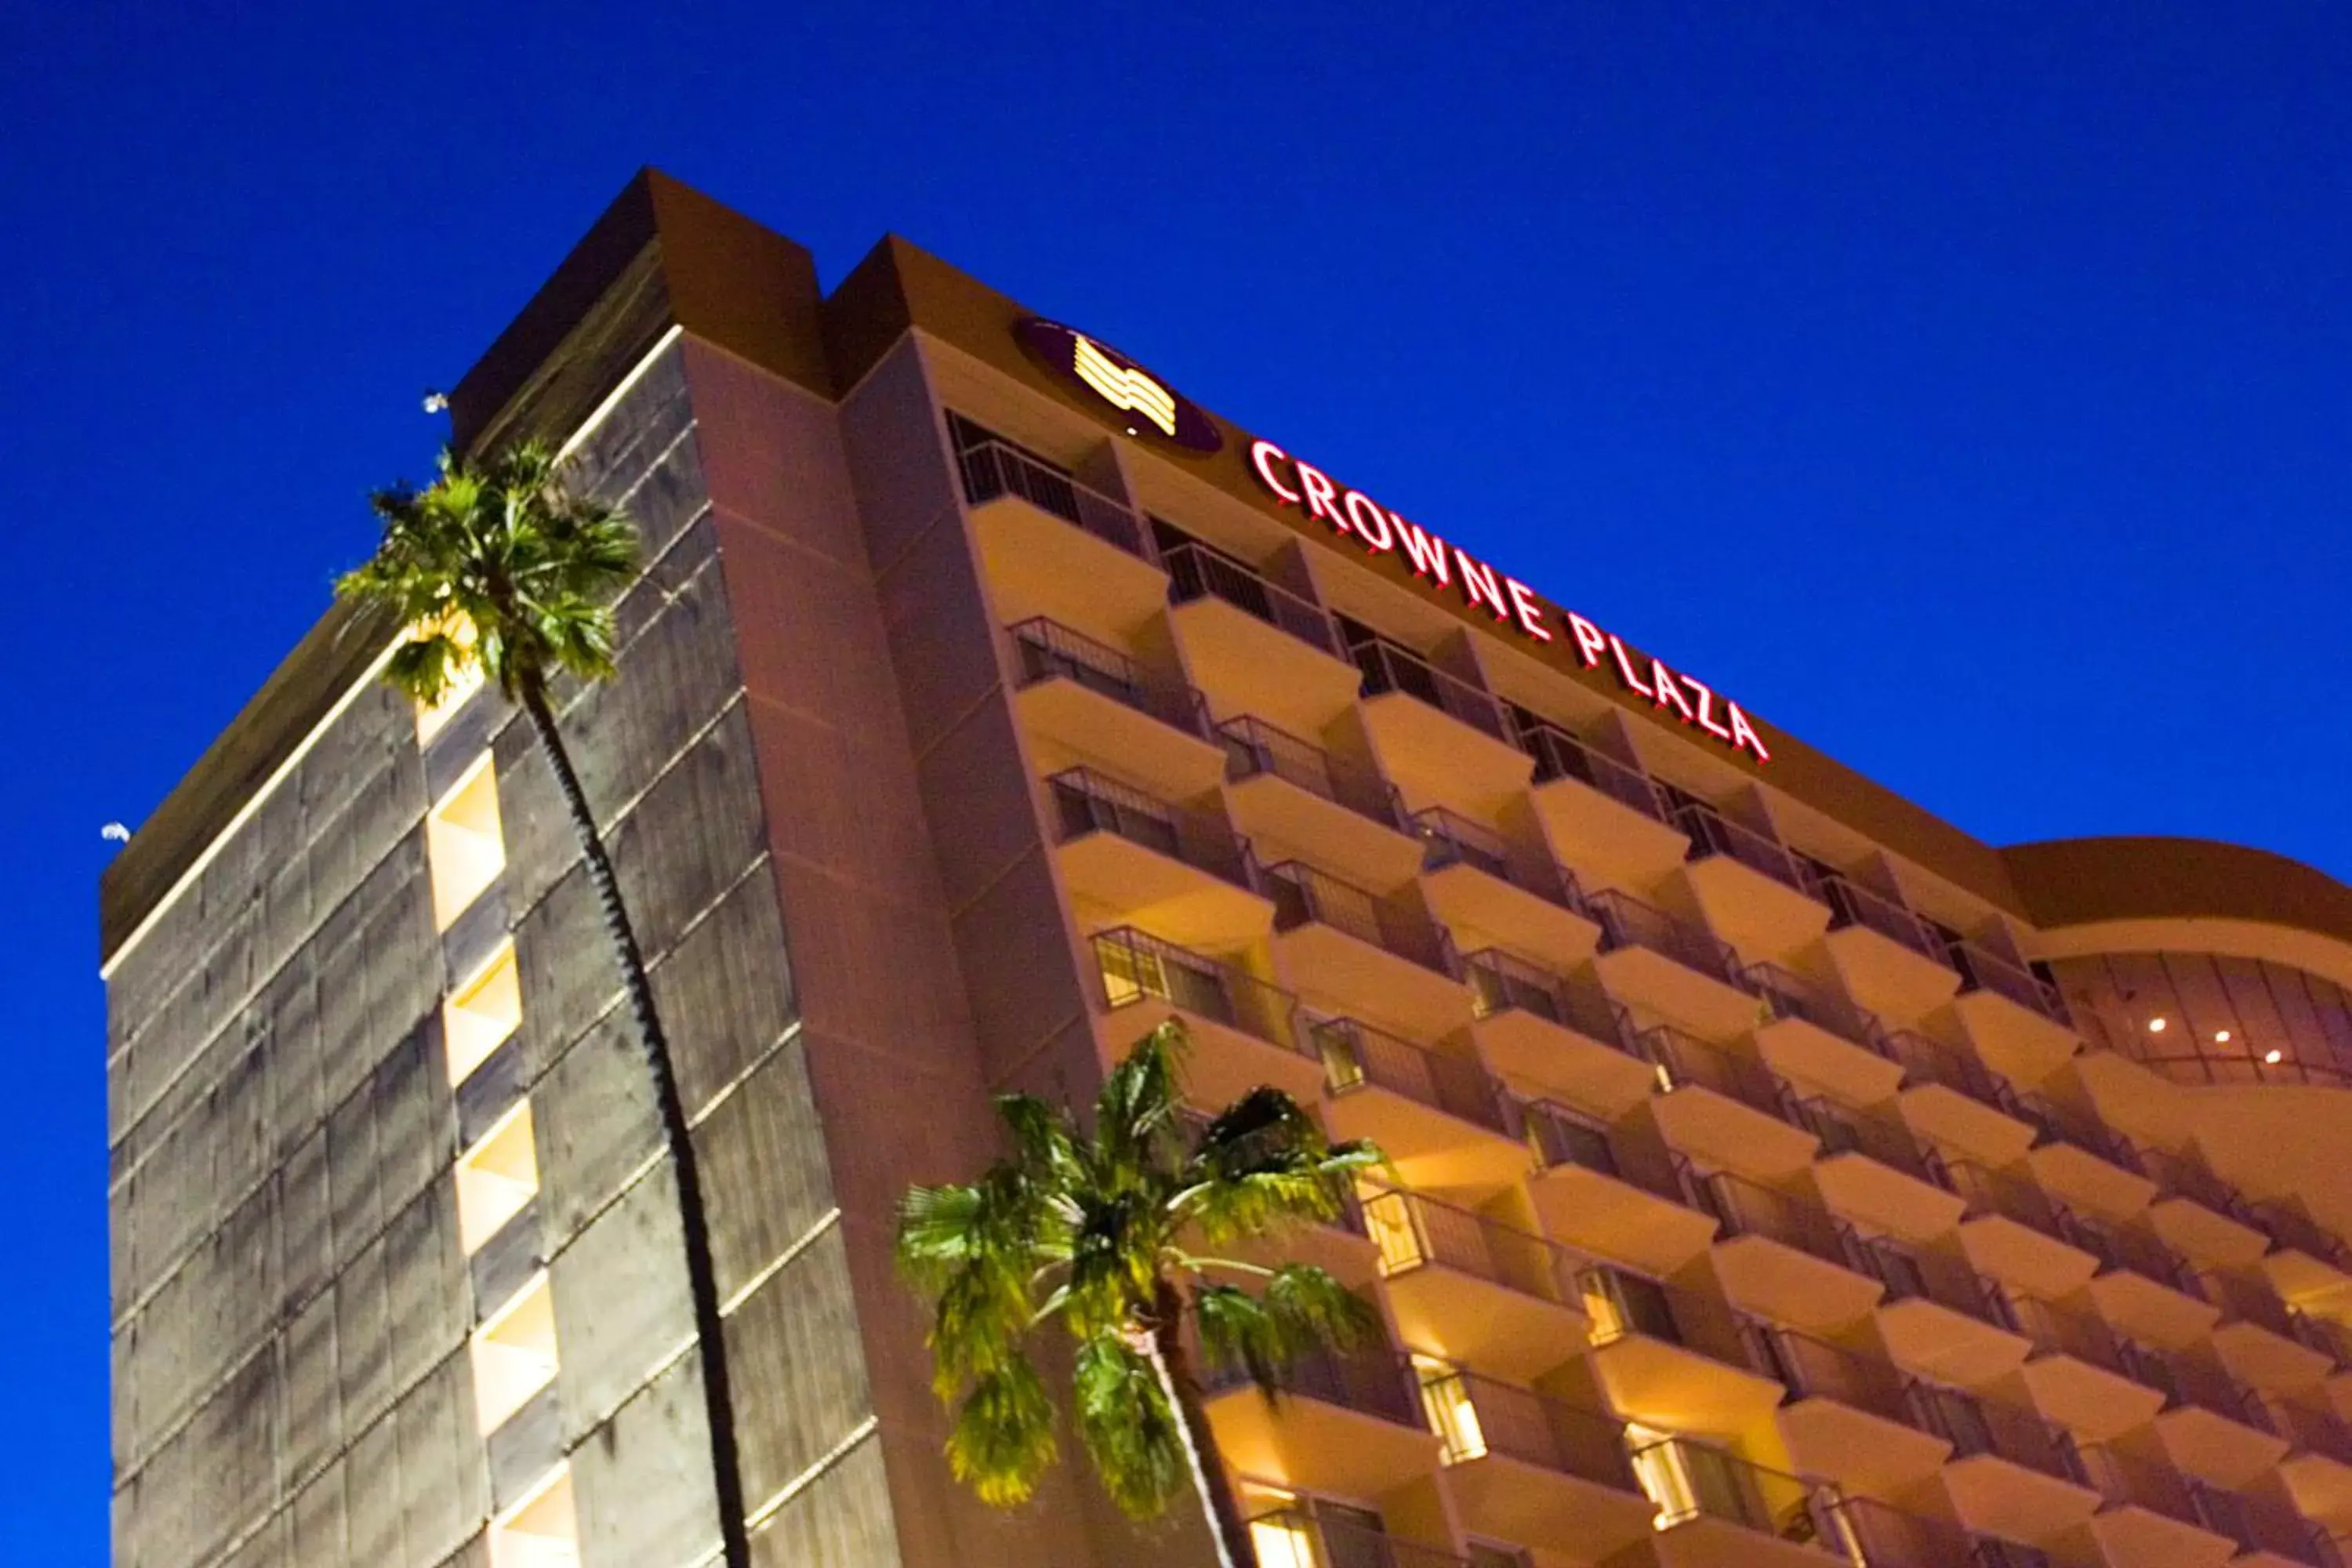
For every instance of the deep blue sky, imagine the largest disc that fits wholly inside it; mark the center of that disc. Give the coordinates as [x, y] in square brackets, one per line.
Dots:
[1963, 387]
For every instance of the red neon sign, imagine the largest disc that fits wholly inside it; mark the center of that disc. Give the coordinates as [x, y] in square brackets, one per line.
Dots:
[1508, 600]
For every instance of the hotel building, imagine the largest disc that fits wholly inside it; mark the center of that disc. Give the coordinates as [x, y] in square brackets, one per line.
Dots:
[1782, 1178]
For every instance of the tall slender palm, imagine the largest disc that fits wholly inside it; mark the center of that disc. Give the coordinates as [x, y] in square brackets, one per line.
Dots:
[503, 564]
[1098, 1232]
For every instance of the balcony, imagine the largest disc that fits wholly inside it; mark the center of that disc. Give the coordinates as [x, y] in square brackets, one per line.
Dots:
[1082, 698]
[2149, 1514]
[1438, 734]
[2011, 1474]
[1554, 1036]
[1477, 881]
[1849, 1415]
[1300, 1538]
[1473, 1289]
[1283, 789]
[2262, 1340]
[1440, 1121]
[1939, 1317]
[1348, 1426]
[2267, 1533]
[1952, 1099]
[1715, 1508]
[1609, 817]
[2318, 1465]
[2081, 1162]
[1053, 545]
[1672, 1358]
[2080, 1375]
[1612, 1191]
[1725, 1108]
[1750, 887]
[1891, 960]
[2200, 1213]
[2211, 1425]
[2143, 1287]
[2013, 1016]
[2305, 1260]
[1130, 859]
[1785, 1258]
[1813, 1035]
[1243, 1031]
[2013, 1231]
[1883, 1537]
[1871, 1168]
[1257, 645]
[1671, 966]
[1526, 1467]
[1368, 955]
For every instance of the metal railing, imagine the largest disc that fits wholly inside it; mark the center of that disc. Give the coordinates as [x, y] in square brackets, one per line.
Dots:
[1559, 1136]
[1684, 1062]
[1914, 1274]
[1413, 1231]
[1448, 839]
[1792, 996]
[2054, 1123]
[2119, 1246]
[1136, 966]
[1884, 1537]
[1304, 896]
[1844, 1130]
[1388, 667]
[1977, 1427]
[1982, 969]
[2128, 1481]
[1195, 571]
[2263, 1524]
[1314, 1542]
[1560, 755]
[2325, 1335]
[1046, 649]
[2321, 1432]
[1086, 802]
[1689, 1479]
[995, 468]
[1622, 1305]
[1501, 982]
[1372, 1383]
[2248, 1301]
[1852, 904]
[1534, 1428]
[2185, 1176]
[2291, 1228]
[1926, 1061]
[1254, 748]
[1815, 1369]
[2057, 1330]
[1991, 1193]
[2190, 1380]
[1357, 1056]
[1745, 1208]
[1626, 922]
[1712, 834]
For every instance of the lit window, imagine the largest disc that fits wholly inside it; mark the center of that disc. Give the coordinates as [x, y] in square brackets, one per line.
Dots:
[542, 1531]
[1445, 1399]
[462, 845]
[1390, 1221]
[1284, 1540]
[514, 1354]
[466, 680]
[496, 1178]
[480, 1014]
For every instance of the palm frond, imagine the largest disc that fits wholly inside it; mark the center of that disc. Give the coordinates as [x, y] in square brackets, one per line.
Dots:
[1123, 1416]
[1002, 1438]
[1136, 1126]
[1301, 1310]
[1263, 1166]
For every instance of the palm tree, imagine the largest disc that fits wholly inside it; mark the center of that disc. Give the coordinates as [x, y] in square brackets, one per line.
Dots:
[501, 564]
[1098, 1232]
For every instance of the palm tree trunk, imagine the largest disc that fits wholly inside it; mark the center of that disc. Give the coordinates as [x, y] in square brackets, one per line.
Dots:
[1173, 1362]
[701, 1273]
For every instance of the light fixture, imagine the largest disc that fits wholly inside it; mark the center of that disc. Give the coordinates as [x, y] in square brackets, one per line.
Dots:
[2274, 1056]
[2155, 1026]
[2221, 1037]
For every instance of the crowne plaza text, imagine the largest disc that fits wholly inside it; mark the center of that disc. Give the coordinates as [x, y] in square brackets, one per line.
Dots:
[1779, 1176]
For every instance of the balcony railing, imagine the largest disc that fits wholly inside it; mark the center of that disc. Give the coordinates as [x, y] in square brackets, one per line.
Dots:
[1712, 834]
[2120, 1246]
[1627, 921]
[995, 468]
[1847, 1132]
[2263, 1524]
[1304, 896]
[1500, 982]
[1357, 1056]
[1792, 996]
[1689, 1481]
[1086, 802]
[1563, 1137]
[1746, 1209]
[2321, 1432]
[1975, 1426]
[1620, 1305]
[1477, 1416]
[1982, 969]
[1684, 1062]
[1926, 1275]
[1295, 1538]
[1990, 1192]
[1926, 1061]
[1416, 1232]
[2325, 1335]
[1195, 571]
[2187, 1379]
[1370, 1383]
[2128, 1481]
[1388, 667]
[1852, 904]
[1884, 1537]
[1814, 1369]
[2054, 1123]
[2059, 1330]
[2186, 1176]
[1254, 748]
[2288, 1226]
[1136, 966]
[1048, 650]
[2243, 1299]
[1448, 839]
[1560, 755]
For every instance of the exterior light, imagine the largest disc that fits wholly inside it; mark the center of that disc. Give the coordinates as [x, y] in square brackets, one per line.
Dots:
[2273, 1056]
[2221, 1037]
[2155, 1026]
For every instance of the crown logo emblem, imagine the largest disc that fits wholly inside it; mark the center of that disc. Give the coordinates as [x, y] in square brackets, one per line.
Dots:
[1123, 387]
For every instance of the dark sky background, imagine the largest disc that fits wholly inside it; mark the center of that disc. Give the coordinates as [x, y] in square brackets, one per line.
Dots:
[1963, 387]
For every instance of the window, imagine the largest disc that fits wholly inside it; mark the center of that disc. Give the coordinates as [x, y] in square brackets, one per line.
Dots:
[496, 1178]
[1619, 1304]
[1684, 1479]
[481, 1014]
[542, 1531]
[1389, 1220]
[514, 1354]
[1285, 1539]
[1445, 1401]
[462, 845]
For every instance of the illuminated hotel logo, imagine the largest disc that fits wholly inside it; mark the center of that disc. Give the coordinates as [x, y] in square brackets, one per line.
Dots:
[1508, 600]
[1118, 381]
